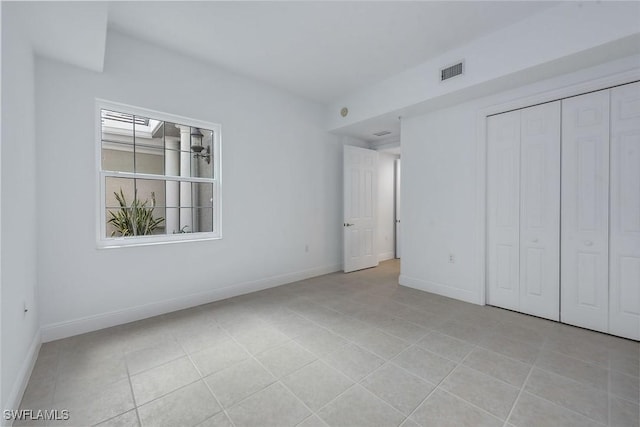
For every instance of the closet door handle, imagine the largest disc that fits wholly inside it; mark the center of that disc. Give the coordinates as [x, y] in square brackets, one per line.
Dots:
[588, 243]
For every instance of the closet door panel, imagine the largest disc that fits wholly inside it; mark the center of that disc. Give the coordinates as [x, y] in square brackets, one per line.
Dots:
[540, 211]
[503, 187]
[585, 211]
[624, 250]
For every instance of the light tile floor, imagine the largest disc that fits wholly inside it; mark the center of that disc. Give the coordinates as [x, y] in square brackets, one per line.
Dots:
[341, 350]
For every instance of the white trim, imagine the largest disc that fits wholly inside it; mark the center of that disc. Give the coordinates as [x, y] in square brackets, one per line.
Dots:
[146, 112]
[440, 289]
[160, 239]
[481, 153]
[82, 325]
[22, 379]
[384, 145]
[565, 92]
[481, 204]
[385, 256]
[1, 145]
[389, 141]
[102, 241]
[148, 176]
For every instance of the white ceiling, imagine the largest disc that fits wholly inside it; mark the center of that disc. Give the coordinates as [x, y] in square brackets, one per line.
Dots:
[319, 50]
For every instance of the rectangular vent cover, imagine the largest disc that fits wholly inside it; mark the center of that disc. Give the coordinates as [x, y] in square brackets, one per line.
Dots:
[452, 71]
[382, 133]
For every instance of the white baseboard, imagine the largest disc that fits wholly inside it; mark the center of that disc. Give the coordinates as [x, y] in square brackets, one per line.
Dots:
[20, 384]
[440, 289]
[386, 256]
[82, 325]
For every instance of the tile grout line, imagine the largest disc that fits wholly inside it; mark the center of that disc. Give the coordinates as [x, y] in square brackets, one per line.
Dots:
[133, 396]
[437, 387]
[185, 354]
[55, 381]
[386, 363]
[370, 324]
[554, 403]
[72, 398]
[223, 409]
[493, 350]
[584, 383]
[584, 360]
[353, 342]
[505, 322]
[524, 384]
[159, 365]
[390, 362]
[609, 390]
[277, 380]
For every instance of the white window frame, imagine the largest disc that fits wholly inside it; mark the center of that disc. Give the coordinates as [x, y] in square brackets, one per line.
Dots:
[216, 152]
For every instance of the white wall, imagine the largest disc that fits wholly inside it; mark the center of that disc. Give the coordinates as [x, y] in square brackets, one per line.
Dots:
[386, 220]
[438, 203]
[569, 36]
[281, 190]
[19, 208]
[443, 185]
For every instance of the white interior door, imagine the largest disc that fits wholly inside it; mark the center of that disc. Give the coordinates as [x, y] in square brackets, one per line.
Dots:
[540, 210]
[360, 202]
[398, 209]
[503, 223]
[624, 249]
[585, 211]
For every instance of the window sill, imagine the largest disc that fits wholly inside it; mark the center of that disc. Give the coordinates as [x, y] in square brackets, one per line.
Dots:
[124, 242]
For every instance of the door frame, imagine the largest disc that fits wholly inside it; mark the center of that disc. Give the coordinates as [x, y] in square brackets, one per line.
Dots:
[607, 82]
[397, 186]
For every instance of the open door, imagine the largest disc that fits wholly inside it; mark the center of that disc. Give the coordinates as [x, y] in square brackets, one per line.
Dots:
[360, 205]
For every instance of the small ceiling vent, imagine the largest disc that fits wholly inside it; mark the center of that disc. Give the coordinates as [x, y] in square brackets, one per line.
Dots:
[452, 71]
[382, 133]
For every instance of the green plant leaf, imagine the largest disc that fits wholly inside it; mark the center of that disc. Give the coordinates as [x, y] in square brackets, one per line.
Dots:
[136, 219]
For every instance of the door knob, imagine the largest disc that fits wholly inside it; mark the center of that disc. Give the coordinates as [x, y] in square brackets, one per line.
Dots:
[588, 243]
[348, 225]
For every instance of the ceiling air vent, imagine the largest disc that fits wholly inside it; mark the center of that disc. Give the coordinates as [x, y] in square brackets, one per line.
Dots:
[452, 71]
[382, 133]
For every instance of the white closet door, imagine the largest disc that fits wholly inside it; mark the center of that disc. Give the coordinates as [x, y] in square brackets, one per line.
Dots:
[540, 211]
[585, 209]
[503, 189]
[624, 250]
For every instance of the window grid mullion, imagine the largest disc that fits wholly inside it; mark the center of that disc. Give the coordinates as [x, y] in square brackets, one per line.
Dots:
[133, 175]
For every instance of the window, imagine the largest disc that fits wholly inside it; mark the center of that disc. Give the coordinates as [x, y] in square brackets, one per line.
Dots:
[159, 177]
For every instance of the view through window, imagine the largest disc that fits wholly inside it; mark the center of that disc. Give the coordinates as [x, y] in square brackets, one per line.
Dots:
[160, 179]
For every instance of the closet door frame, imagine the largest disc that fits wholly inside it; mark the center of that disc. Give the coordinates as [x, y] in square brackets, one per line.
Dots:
[598, 83]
